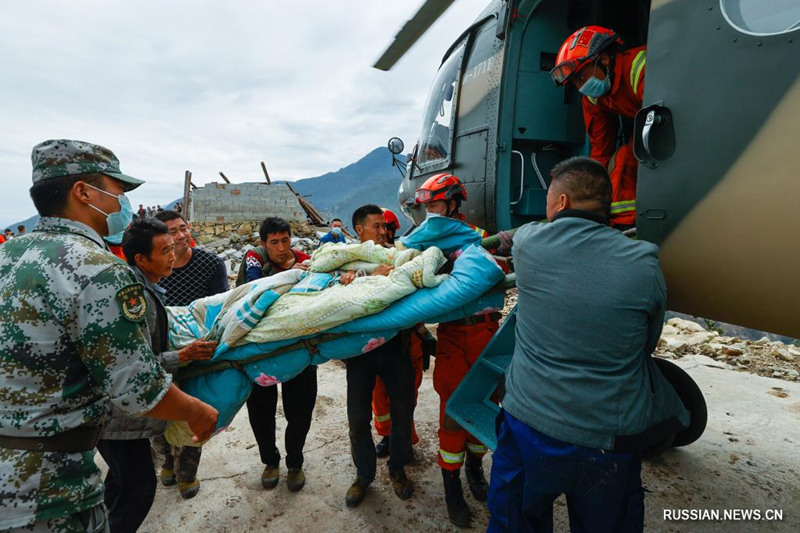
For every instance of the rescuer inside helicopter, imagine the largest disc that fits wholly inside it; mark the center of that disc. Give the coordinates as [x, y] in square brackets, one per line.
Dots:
[612, 82]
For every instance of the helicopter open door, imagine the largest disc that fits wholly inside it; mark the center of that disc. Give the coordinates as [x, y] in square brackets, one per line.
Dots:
[540, 124]
[716, 138]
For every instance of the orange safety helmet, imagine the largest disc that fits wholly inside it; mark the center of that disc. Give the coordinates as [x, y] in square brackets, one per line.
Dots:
[442, 186]
[392, 222]
[580, 49]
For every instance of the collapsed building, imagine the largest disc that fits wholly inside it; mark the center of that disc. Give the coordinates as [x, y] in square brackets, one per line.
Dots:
[242, 202]
[225, 217]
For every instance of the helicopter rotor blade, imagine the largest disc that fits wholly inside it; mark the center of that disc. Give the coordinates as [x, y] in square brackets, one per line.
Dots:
[411, 31]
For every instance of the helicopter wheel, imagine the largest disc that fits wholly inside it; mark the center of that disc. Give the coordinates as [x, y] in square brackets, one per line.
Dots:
[692, 398]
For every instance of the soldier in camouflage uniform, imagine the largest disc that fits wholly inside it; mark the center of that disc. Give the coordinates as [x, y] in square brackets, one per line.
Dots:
[71, 344]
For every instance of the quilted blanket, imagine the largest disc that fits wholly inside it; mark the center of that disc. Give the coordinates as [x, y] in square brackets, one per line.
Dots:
[271, 329]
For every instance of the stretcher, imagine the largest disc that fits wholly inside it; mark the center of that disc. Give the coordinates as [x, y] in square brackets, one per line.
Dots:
[271, 329]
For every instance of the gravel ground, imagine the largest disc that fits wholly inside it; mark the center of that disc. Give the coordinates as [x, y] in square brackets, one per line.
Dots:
[748, 458]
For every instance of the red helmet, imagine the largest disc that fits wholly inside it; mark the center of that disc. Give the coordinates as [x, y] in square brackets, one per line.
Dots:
[581, 48]
[392, 222]
[442, 186]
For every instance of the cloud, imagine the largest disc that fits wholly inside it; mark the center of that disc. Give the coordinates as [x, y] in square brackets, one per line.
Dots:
[210, 86]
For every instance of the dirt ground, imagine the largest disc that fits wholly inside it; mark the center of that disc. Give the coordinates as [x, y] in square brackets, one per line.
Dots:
[748, 458]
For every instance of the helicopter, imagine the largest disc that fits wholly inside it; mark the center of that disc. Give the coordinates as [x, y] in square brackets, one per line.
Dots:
[714, 139]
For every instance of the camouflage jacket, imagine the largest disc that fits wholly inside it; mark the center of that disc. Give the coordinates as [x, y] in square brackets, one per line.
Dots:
[70, 345]
[126, 427]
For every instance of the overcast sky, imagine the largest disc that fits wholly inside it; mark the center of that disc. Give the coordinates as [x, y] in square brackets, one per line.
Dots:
[206, 86]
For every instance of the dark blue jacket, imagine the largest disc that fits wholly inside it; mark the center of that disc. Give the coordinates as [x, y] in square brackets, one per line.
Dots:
[331, 237]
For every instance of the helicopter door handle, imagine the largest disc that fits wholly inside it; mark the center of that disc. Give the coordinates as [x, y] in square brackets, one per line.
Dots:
[654, 135]
[522, 176]
[651, 121]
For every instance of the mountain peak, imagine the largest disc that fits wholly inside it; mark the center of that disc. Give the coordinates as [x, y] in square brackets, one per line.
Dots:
[370, 180]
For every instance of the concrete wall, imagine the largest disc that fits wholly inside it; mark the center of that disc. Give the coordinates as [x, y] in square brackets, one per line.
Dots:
[223, 202]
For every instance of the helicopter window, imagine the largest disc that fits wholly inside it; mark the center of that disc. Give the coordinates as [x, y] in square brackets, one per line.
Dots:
[762, 17]
[435, 137]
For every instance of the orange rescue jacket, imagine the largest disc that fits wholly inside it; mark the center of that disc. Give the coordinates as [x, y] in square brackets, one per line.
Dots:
[601, 117]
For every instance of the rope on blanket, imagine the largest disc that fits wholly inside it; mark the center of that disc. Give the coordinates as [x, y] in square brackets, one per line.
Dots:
[196, 370]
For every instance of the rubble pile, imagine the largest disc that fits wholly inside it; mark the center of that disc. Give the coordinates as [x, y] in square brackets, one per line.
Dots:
[683, 337]
[763, 357]
[511, 301]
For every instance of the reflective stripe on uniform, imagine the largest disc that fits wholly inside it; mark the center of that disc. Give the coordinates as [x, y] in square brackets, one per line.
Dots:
[383, 418]
[451, 458]
[592, 99]
[477, 448]
[480, 231]
[636, 69]
[623, 207]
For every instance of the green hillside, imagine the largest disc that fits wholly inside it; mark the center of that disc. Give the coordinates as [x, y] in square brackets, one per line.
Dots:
[370, 180]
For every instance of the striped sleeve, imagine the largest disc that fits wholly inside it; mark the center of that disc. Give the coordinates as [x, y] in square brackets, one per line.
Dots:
[637, 73]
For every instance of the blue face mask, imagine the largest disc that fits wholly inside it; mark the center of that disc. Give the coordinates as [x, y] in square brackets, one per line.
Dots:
[114, 239]
[118, 221]
[595, 88]
[336, 231]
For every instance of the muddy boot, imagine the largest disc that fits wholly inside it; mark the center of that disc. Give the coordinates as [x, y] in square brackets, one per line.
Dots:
[473, 469]
[357, 492]
[269, 477]
[402, 486]
[189, 489]
[382, 448]
[454, 498]
[295, 479]
[167, 477]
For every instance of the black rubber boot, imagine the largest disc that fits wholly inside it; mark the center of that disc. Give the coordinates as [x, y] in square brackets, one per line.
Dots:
[382, 448]
[478, 485]
[454, 498]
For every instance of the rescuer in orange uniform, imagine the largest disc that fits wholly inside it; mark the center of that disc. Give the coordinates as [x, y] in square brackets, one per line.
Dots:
[612, 82]
[459, 343]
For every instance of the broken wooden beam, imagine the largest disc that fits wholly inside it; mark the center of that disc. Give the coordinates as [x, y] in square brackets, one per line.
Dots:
[266, 174]
[312, 213]
[187, 197]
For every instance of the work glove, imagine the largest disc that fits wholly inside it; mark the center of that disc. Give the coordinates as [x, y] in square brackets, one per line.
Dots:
[506, 242]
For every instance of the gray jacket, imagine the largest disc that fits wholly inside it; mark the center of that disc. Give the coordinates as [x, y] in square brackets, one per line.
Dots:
[591, 307]
[156, 329]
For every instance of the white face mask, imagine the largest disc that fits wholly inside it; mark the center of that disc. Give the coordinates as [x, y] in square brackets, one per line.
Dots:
[429, 215]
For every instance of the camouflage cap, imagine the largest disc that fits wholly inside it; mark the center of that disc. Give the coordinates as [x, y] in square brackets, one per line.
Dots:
[62, 157]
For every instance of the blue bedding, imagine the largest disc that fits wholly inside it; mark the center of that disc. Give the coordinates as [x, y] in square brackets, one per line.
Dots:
[462, 294]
